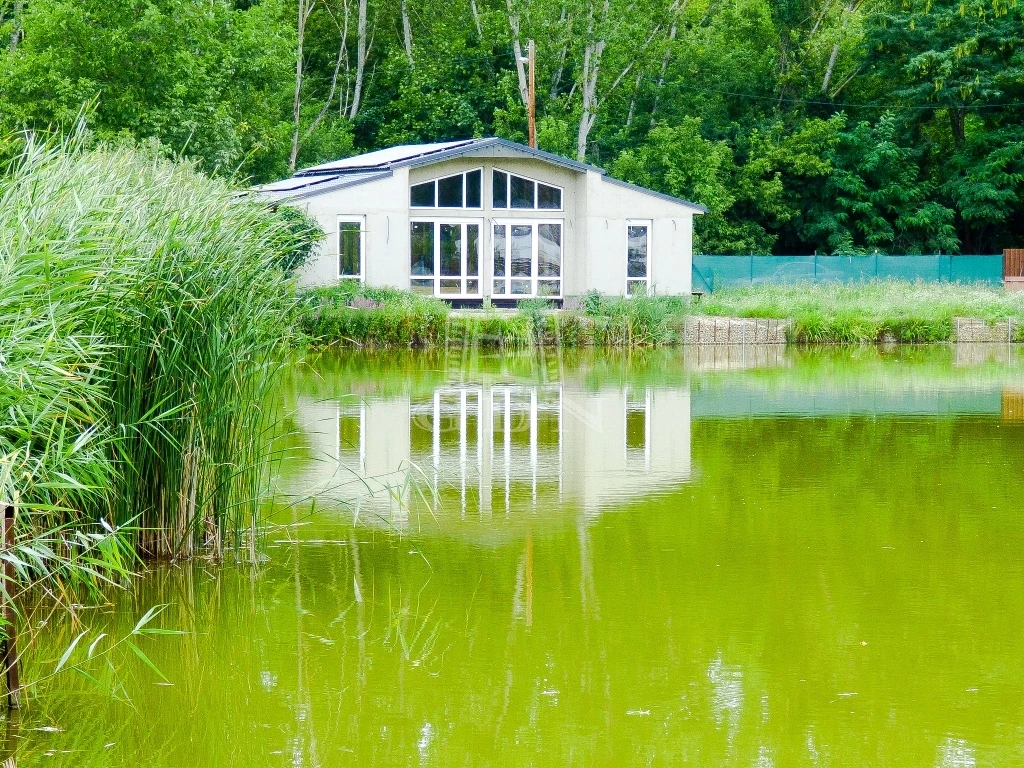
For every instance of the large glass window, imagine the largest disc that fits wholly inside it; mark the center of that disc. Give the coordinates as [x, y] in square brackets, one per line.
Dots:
[638, 246]
[445, 258]
[527, 258]
[422, 250]
[461, 190]
[350, 247]
[511, 191]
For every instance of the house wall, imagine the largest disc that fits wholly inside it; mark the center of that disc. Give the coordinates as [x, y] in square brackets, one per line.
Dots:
[594, 212]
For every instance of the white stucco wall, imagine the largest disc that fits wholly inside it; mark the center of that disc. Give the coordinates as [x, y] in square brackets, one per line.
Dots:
[594, 212]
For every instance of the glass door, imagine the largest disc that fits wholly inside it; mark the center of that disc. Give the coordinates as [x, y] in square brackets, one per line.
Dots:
[526, 258]
[445, 258]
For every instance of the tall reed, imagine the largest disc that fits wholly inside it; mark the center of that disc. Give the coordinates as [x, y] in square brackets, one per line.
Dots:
[179, 286]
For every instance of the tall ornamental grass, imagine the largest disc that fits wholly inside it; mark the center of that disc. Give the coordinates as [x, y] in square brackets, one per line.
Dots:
[157, 305]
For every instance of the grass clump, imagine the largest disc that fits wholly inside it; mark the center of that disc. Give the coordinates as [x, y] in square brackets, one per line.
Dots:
[351, 314]
[910, 312]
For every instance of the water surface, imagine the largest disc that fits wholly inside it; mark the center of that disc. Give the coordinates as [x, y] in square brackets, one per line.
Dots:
[733, 556]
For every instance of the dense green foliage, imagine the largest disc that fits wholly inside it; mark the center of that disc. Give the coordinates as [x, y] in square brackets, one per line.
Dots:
[834, 126]
[143, 307]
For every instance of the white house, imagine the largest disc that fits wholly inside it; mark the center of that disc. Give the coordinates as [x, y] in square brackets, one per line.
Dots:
[464, 220]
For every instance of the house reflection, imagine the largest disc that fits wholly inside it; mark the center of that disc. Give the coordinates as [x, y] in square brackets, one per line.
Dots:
[495, 448]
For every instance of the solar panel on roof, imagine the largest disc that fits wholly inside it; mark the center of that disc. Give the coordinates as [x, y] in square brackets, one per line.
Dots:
[384, 156]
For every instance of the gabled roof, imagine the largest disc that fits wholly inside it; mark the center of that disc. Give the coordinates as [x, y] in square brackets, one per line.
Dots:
[371, 166]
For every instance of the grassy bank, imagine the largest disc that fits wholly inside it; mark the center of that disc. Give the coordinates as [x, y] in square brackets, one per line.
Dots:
[900, 311]
[350, 315]
[365, 317]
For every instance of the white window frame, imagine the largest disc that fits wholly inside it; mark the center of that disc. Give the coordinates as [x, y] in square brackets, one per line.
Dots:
[437, 277]
[646, 279]
[362, 246]
[436, 207]
[536, 192]
[534, 277]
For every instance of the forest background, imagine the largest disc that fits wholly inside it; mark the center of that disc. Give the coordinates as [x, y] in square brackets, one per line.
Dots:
[827, 126]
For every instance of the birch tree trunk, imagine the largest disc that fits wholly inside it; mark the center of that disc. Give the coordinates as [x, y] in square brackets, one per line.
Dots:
[305, 8]
[360, 60]
[407, 31]
[517, 50]
[476, 19]
[592, 53]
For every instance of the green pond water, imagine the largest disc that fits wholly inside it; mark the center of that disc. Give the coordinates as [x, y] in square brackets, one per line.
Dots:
[724, 557]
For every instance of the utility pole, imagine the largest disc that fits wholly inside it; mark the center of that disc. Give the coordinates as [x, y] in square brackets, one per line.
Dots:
[532, 60]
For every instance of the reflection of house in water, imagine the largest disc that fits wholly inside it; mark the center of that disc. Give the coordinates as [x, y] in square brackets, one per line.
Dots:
[497, 447]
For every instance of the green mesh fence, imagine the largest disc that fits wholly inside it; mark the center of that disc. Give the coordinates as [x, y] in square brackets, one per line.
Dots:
[710, 272]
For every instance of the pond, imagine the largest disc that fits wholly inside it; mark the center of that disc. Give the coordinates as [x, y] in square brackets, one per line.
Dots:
[724, 556]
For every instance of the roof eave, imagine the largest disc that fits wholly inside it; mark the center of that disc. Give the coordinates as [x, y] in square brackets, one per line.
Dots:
[661, 195]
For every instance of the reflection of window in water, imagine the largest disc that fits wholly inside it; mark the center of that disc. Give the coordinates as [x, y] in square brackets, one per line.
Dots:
[352, 436]
[449, 432]
[526, 424]
[638, 428]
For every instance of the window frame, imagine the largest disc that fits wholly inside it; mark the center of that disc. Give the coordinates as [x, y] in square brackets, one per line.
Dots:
[465, 186]
[535, 278]
[354, 218]
[438, 221]
[646, 279]
[536, 192]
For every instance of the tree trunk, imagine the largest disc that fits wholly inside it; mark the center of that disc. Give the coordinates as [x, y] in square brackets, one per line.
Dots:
[16, 30]
[407, 31]
[305, 8]
[517, 50]
[588, 86]
[830, 69]
[675, 11]
[360, 60]
[956, 124]
[476, 19]
[564, 22]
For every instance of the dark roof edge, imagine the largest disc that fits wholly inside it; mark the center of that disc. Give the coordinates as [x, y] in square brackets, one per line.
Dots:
[662, 195]
[312, 190]
[472, 145]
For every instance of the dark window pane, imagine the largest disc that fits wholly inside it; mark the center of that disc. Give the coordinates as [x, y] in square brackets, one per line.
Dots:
[637, 247]
[350, 249]
[449, 192]
[636, 429]
[522, 251]
[472, 249]
[549, 250]
[521, 287]
[636, 287]
[472, 286]
[549, 287]
[423, 195]
[549, 197]
[451, 249]
[499, 181]
[522, 192]
[349, 425]
[499, 250]
[451, 286]
[499, 287]
[474, 179]
[422, 248]
[424, 287]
